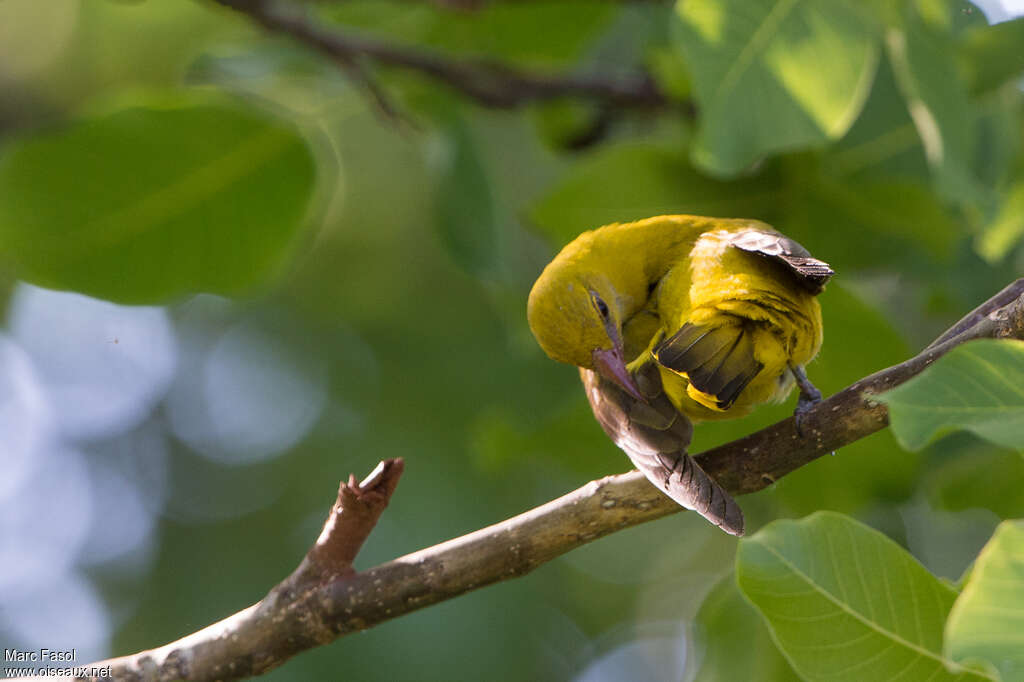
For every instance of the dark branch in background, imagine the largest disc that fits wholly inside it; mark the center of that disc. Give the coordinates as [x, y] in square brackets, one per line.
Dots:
[489, 83]
[324, 599]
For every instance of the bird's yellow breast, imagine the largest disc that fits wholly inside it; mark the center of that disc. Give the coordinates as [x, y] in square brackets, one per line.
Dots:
[720, 281]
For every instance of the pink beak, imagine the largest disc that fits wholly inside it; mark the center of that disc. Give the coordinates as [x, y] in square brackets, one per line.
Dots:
[611, 366]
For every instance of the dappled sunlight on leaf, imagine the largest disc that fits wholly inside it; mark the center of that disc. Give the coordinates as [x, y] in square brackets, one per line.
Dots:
[779, 75]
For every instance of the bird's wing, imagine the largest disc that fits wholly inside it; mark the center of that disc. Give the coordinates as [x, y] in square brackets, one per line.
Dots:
[655, 436]
[810, 272]
[718, 360]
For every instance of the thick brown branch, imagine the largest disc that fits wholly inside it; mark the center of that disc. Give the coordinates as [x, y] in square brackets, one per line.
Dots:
[490, 84]
[291, 620]
[265, 635]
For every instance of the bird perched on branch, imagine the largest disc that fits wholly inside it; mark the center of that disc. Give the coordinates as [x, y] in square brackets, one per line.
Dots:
[679, 319]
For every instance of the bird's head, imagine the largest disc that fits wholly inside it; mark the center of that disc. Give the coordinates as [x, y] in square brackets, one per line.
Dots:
[578, 319]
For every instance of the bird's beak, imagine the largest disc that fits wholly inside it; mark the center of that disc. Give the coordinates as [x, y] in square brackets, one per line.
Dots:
[611, 366]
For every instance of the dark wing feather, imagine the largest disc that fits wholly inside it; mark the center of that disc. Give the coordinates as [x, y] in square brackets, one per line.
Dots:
[812, 273]
[732, 390]
[655, 436]
[717, 360]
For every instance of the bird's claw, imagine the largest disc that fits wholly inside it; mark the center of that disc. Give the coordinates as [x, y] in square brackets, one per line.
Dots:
[803, 406]
[809, 397]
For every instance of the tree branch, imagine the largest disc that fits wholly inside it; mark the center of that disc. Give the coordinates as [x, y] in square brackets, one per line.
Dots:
[324, 599]
[352, 518]
[266, 634]
[491, 84]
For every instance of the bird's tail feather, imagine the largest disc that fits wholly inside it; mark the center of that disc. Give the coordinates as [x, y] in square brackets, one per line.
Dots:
[680, 477]
[656, 436]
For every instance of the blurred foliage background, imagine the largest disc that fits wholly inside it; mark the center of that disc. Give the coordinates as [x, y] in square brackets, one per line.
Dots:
[230, 277]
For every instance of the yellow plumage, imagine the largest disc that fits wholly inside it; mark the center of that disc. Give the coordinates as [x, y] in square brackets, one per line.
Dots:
[725, 310]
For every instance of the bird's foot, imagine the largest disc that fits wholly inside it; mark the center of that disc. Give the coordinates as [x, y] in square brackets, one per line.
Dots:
[802, 408]
[809, 397]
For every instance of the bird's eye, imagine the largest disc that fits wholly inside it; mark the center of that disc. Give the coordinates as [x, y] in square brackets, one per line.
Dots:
[602, 307]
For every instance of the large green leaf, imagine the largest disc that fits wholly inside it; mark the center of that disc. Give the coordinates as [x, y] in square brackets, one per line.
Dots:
[772, 75]
[978, 386]
[152, 202]
[737, 645]
[632, 181]
[844, 602]
[987, 620]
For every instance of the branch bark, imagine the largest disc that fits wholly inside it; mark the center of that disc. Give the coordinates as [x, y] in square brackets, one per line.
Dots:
[266, 634]
[324, 599]
[490, 84]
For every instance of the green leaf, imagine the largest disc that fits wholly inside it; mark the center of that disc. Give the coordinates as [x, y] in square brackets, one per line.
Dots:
[466, 216]
[978, 386]
[989, 56]
[737, 644]
[938, 102]
[155, 201]
[844, 602]
[987, 620]
[1005, 229]
[632, 181]
[773, 75]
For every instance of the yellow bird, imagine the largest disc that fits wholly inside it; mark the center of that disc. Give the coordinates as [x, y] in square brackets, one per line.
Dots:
[679, 319]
